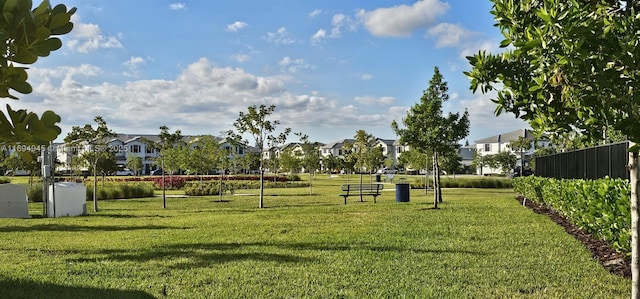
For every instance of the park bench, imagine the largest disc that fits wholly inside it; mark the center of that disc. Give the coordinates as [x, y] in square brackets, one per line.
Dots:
[361, 189]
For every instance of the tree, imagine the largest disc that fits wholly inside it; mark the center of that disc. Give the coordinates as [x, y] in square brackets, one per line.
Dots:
[427, 130]
[310, 159]
[571, 66]
[332, 163]
[274, 143]
[479, 161]
[27, 35]
[98, 147]
[134, 163]
[167, 141]
[521, 145]
[504, 160]
[289, 161]
[364, 153]
[256, 123]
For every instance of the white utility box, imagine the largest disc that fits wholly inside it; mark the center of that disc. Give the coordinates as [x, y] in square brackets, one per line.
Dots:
[13, 201]
[67, 199]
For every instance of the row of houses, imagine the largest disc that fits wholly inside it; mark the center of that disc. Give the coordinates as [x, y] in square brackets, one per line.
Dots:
[126, 145]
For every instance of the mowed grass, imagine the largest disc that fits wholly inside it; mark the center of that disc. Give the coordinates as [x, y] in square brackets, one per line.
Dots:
[480, 244]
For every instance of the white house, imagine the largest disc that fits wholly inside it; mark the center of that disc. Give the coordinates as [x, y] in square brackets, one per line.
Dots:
[128, 145]
[500, 143]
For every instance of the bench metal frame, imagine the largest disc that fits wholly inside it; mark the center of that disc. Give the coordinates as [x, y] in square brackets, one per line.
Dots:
[361, 189]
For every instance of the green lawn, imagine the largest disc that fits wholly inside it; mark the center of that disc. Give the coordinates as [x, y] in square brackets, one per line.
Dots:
[480, 244]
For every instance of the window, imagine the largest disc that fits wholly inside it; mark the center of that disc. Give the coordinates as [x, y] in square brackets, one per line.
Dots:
[340, 152]
[135, 148]
[150, 150]
[487, 147]
[399, 149]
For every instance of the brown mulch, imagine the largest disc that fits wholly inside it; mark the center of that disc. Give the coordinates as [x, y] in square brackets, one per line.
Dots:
[610, 259]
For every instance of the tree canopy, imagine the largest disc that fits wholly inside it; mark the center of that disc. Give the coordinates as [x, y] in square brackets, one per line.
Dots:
[27, 35]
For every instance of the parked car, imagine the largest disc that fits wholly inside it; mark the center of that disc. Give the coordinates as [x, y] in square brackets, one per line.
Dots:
[157, 172]
[125, 171]
[387, 170]
[516, 172]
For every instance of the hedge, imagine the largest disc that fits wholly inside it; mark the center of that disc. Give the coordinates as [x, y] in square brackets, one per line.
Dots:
[484, 182]
[213, 187]
[600, 207]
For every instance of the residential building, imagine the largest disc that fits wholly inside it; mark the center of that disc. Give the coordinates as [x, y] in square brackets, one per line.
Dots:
[500, 143]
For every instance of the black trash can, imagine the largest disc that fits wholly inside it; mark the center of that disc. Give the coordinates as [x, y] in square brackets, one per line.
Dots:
[402, 191]
[378, 178]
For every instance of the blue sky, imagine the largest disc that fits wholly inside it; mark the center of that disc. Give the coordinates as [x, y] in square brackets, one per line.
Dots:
[330, 67]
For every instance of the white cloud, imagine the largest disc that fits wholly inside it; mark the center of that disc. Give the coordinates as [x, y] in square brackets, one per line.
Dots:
[177, 6]
[315, 13]
[366, 77]
[450, 35]
[236, 26]
[132, 66]
[338, 21]
[280, 37]
[203, 99]
[293, 65]
[483, 121]
[369, 100]
[86, 38]
[241, 58]
[402, 20]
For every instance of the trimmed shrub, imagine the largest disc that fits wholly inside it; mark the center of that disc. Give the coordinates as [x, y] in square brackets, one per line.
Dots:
[34, 192]
[600, 207]
[5, 180]
[113, 190]
[213, 187]
[484, 182]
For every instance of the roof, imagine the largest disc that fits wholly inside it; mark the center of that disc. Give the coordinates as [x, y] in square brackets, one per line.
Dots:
[508, 137]
[339, 144]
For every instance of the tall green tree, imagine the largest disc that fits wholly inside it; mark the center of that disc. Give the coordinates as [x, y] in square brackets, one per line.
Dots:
[428, 130]
[27, 34]
[570, 66]
[257, 123]
[94, 143]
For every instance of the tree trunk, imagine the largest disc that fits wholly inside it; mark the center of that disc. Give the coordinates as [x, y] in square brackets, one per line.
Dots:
[310, 184]
[437, 175]
[361, 186]
[634, 175]
[95, 189]
[261, 204]
[426, 177]
[435, 183]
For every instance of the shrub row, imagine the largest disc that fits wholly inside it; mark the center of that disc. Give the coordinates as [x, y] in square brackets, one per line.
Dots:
[109, 191]
[178, 182]
[600, 207]
[484, 182]
[121, 190]
[213, 187]
[5, 180]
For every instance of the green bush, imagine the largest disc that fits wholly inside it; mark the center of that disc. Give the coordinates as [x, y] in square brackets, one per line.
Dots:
[5, 180]
[484, 182]
[212, 187]
[119, 190]
[34, 192]
[600, 207]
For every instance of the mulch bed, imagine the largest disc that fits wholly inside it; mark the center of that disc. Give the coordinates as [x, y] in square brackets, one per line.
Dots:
[610, 259]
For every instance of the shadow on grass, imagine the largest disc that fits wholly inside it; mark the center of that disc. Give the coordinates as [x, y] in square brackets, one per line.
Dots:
[10, 288]
[202, 255]
[189, 256]
[77, 228]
